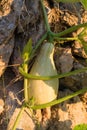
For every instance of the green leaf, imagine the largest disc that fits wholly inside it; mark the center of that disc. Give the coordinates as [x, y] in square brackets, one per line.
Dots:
[84, 3]
[27, 50]
[80, 127]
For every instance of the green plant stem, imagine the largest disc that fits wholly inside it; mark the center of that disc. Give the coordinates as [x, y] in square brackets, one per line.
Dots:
[59, 100]
[45, 17]
[29, 76]
[26, 84]
[69, 30]
[50, 38]
[18, 118]
[66, 38]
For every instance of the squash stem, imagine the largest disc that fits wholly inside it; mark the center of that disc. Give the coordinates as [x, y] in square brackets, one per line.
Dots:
[26, 84]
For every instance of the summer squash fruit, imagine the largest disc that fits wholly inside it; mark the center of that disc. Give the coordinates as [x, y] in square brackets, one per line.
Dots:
[44, 91]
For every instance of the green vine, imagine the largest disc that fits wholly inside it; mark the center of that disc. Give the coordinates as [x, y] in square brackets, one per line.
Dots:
[29, 76]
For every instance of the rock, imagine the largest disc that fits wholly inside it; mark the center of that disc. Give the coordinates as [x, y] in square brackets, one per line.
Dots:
[71, 112]
[26, 18]
[25, 122]
[67, 114]
[77, 81]
[9, 13]
[13, 104]
[5, 53]
[30, 25]
[64, 60]
[71, 7]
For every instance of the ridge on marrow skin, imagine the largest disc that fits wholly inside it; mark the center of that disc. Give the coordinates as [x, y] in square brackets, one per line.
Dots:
[44, 91]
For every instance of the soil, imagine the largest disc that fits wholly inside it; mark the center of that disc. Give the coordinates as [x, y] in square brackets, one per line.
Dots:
[68, 56]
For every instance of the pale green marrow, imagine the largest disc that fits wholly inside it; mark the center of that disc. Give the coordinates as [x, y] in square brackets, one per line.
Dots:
[44, 91]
